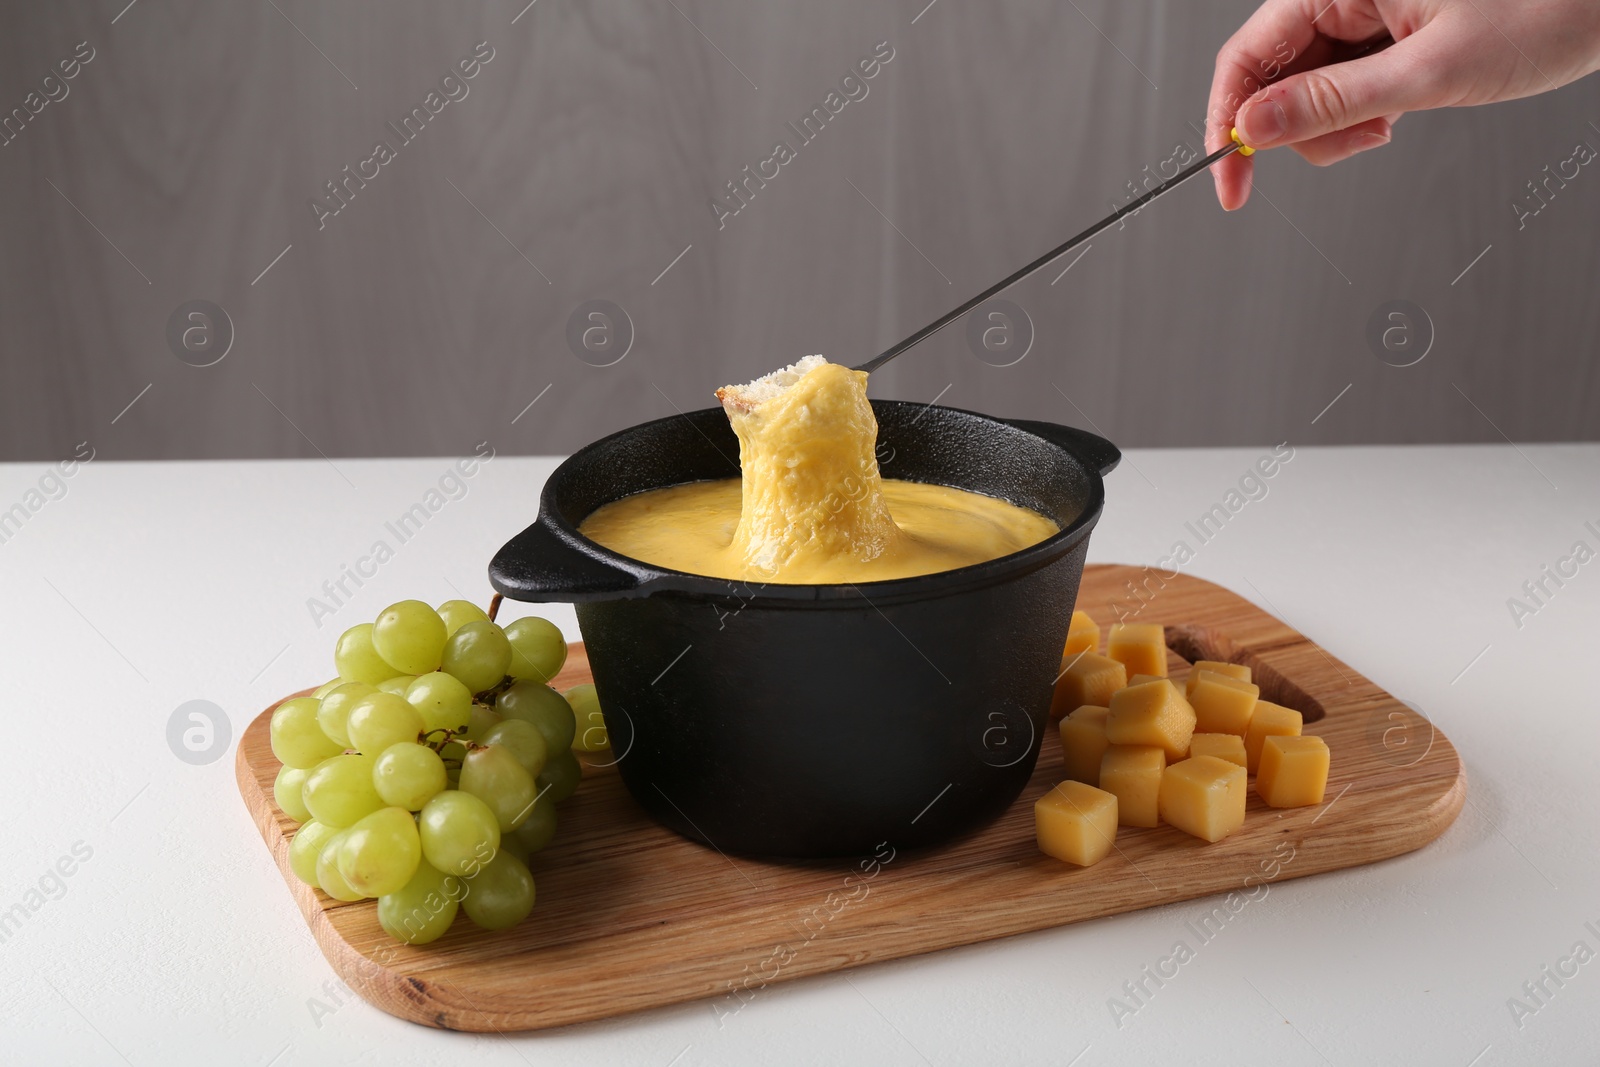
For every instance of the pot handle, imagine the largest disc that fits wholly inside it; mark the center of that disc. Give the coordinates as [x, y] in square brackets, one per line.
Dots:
[1095, 451]
[543, 564]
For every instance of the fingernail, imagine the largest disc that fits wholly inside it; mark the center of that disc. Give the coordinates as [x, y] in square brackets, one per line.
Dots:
[1244, 194]
[1361, 142]
[1262, 123]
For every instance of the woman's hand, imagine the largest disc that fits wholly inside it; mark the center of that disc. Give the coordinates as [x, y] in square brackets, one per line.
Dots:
[1315, 75]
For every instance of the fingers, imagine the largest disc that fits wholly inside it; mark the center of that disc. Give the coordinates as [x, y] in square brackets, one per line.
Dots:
[1316, 103]
[1341, 145]
[1233, 185]
[1281, 37]
[1274, 36]
[1232, 176]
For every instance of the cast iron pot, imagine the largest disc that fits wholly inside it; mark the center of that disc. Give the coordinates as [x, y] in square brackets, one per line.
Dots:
[822, 720]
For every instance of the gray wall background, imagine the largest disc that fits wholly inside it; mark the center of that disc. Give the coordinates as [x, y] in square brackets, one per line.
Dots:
[430, 312]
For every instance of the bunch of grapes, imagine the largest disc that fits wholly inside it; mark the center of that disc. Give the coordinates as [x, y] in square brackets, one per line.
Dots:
[428, 772]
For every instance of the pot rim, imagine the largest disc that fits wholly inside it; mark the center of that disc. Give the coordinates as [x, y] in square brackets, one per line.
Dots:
[650, 579]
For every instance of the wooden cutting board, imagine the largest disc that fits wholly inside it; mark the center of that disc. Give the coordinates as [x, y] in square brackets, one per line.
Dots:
[632, 916]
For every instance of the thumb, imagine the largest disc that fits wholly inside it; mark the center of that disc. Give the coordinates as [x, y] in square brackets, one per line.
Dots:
[1403, 77]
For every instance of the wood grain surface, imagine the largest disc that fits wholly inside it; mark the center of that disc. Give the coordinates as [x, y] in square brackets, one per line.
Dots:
[631, 916]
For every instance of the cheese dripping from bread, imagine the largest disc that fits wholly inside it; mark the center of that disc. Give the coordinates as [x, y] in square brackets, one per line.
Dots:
[810, 506]
[810, 490]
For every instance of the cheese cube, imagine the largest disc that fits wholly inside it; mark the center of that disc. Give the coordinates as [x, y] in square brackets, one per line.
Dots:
[1231, 670]
[1222, 705]
[1294, 771]
[1076, 823]
[1083, 742]
[1218, 678]
[1269, 720]
[1151, 714]
[1133, 774]
[1223, 746]
[1083, 634]
[1088, 678]
[1139, 646]
[1204, 796]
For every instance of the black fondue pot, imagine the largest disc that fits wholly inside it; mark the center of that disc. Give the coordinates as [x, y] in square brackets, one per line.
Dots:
[822, 720]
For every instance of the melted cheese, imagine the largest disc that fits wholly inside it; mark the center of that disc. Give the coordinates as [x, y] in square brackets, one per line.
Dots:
[810, 506]
[811, 492]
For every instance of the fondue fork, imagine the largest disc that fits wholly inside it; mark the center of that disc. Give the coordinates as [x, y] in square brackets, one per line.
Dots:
[1056, 253]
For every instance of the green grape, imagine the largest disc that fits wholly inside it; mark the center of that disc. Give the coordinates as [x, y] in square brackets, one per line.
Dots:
[356, 659]
[459, 832]
[328, 876]
[397, 685]
[478, 654]
[537, 648]
[457, 613]
[334, 715]
[327, 687]
[424, 909]
[407, 775]
[331, 882]
[297, 737]
[523, 740]
[591, 725]
[444, 702]
[306, 846]
[410, 637]
[287, 791]
[380, 853]
[501, 895]
[560, 777]
[379, 720]
[544, 707]
[482, 720]
[493, 775]
[339, 791]
[534, 833]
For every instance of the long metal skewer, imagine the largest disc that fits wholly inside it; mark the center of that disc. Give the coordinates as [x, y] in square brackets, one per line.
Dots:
[1051, 256]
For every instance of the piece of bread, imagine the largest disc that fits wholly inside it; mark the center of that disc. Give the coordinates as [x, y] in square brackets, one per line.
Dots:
[745, 398]
[811, 494]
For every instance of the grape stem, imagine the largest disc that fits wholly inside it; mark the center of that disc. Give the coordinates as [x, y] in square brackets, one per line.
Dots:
[486, 698]
[494, 606]
[449, 734]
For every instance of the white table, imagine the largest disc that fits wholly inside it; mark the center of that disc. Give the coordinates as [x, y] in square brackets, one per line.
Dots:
[174, 942]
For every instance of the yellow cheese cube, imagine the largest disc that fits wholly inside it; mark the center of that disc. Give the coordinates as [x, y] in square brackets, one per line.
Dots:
[1222, 705]
[1139, 646]
[1088, 678]
[1151, 714]
[1218, 678]
[1083, 634]
[1223, 746]
[1076, 823]
[1231, 670]
[1083, 742]
[1269, 720]
[1294, 771]
[1132, 773]
[1204, 796]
